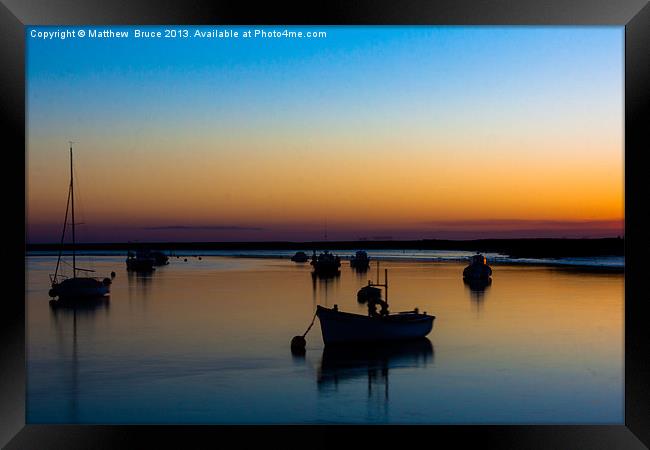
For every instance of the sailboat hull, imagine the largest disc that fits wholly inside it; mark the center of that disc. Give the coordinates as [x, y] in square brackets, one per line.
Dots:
[340, 327]
[79, 288]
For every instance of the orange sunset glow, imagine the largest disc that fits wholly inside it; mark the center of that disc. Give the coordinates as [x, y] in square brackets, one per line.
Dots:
[399, 152]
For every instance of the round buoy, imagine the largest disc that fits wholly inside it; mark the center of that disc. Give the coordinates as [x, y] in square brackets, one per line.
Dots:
[185, 260]
[199, 258]
[51, 293]
[298, 344]
[112, 274]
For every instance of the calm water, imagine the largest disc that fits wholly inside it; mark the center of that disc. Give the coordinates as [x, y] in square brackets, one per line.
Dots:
[207, 341]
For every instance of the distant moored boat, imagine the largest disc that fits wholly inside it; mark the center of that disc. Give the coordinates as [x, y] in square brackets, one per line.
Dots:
[478, 270]
[160, 258]
[326, 263]
[300, 257]
[140, 261]
[360, 260]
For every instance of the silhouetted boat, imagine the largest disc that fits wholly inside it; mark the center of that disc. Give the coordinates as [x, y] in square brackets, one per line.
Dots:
[300, 257]
[75, 287]
[343, 327]
[160, 259]
[478, 270]
[326, 263]
[140, 261]
[360, 260]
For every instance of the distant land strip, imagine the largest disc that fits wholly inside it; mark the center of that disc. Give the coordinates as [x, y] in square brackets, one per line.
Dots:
[515, 248]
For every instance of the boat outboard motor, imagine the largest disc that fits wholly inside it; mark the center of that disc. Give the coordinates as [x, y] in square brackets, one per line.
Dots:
[372, 307]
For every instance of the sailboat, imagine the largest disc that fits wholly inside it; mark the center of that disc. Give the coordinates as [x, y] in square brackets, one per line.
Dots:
[75, 287]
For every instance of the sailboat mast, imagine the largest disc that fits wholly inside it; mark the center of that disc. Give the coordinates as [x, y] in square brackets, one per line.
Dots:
[65, 225]
[74, 260]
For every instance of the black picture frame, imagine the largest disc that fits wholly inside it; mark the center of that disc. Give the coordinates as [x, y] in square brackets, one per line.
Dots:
[633, 14]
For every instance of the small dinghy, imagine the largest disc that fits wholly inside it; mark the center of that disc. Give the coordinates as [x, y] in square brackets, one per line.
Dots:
[342, 327]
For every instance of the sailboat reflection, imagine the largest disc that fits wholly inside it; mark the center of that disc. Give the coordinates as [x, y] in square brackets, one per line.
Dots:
[342, 363]
[63, 313]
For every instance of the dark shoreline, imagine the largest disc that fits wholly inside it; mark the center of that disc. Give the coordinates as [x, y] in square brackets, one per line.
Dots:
[515, 248]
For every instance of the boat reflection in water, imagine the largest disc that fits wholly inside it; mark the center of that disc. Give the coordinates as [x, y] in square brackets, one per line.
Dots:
[359, 271]
[342, 363]
[477, 290]
[322, 284]
[72, 313]
[72, 307]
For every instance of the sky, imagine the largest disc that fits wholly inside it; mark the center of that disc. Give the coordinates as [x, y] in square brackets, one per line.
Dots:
[370, 132]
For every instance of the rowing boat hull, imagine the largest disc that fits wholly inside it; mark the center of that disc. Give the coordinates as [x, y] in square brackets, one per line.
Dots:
[340, 327]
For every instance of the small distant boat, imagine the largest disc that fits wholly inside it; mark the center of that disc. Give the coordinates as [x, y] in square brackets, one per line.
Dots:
[360, 260]
[140, 261]
[300, 257]
[326, 263]
[478, 270]
[160, 258]
[75, 287]
[341, 327]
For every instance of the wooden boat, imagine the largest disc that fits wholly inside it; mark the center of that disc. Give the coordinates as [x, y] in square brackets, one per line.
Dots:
[342, 327]
[75, 287]
[478, 270]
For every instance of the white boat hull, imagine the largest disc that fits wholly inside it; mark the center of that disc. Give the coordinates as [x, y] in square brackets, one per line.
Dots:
[341, 327]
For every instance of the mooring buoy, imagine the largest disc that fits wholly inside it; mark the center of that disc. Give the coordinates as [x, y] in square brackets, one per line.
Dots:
[298, 344]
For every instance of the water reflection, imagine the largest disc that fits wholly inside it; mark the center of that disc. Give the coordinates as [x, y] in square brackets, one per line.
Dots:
[374, 361]
[323, 286]
[66, 315]
[477, 290]
[139, 281]
[360, 272]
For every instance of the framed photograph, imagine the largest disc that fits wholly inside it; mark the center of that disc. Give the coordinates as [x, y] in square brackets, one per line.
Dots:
[300, 223]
